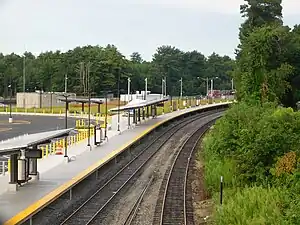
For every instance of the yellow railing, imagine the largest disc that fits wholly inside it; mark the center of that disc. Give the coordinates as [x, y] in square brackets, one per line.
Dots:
[81, 126]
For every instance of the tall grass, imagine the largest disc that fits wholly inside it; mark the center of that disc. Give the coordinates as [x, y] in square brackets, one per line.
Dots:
[214, 169]
[251, 206]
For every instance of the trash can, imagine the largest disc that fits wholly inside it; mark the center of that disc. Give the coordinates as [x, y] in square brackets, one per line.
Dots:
[98, 135]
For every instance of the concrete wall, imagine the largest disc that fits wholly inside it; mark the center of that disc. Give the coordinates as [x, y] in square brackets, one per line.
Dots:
[39, 100]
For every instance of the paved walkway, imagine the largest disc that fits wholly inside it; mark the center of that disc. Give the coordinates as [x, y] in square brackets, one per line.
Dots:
[55, 175]
[75, 150]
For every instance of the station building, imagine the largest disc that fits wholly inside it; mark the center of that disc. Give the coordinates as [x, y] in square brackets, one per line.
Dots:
[40, 99]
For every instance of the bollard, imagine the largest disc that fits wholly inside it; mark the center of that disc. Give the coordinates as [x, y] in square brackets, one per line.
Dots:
[8, 166]
[55, 146]
[43, 151]
[47, 149]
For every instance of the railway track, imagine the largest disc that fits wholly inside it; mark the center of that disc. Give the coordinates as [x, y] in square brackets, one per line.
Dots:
[172, 207]
[135, 208]
[91, 210]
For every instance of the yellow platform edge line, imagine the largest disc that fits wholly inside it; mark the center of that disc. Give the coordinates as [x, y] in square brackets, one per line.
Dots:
[52, 196]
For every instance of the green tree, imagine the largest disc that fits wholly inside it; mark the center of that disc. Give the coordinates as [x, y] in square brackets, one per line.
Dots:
[263, 69]
[259, 13]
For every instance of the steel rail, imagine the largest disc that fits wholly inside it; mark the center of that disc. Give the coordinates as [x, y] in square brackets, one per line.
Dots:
[131, 215]
[168, 213]
[168, 132]
[94, 217]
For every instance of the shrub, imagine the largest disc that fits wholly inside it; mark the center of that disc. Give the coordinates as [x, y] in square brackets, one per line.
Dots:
[257, 145]
[253, 136]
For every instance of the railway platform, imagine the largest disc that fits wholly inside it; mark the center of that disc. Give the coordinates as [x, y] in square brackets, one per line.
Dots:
[57, 176]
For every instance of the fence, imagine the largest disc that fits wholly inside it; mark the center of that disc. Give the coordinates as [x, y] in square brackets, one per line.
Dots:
[3, 166]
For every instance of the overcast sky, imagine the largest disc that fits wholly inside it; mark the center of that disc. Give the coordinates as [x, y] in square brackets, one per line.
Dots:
[132, 25]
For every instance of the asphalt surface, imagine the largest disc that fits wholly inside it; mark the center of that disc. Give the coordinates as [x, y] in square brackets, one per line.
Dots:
[24, 124]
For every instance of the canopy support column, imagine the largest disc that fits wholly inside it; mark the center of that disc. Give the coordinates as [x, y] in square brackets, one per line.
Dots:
[143, 113]
[99, 108]
[134, 117]
[148, 112]
[13, 179]
[139, 115]
[128, 119]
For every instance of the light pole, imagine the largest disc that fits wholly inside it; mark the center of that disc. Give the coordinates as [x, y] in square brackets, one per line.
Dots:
[128, 91]
[51, 101]
[66, 82]
[89, 109]
[105, 131]
[10, 119]
[180, 88]
[118, 99]
[66, 127]
[146, 80]
[24, 80]
[206, 84]
[212, 85]
[162, 87]
[165, 81]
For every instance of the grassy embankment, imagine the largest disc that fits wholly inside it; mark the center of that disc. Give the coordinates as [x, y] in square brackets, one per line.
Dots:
[256, 149]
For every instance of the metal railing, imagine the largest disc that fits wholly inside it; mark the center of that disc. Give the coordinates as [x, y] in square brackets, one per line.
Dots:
[3, 167]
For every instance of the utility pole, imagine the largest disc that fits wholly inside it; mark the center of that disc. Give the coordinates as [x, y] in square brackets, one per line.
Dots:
[232, 84]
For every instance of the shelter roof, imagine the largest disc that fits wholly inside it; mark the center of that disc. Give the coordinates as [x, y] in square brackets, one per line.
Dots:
[26, 141]
[81, 100]
[140, 104]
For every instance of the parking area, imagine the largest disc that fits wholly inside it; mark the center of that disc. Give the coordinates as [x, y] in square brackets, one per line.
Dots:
[23, 124]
